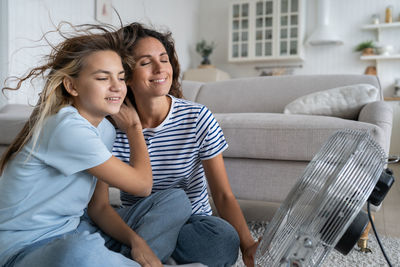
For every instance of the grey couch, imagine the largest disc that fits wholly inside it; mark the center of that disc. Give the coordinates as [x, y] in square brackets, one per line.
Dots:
[12, 119]
[269, 150]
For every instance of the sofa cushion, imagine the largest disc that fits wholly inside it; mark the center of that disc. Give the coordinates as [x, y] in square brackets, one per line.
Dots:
[12, 118]
[344, 102]
[282, 136]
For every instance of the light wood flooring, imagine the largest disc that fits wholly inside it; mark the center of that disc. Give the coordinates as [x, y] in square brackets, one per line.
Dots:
[387, 219]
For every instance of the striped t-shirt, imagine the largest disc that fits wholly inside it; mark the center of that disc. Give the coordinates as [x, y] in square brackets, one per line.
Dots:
[188, 135]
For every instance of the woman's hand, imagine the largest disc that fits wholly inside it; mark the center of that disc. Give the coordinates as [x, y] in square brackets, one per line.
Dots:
[249, 253]
[142, 254]
[127, 117]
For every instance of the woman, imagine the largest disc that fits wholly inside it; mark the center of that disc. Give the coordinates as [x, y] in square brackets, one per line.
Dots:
[48, 173]
[185, 144]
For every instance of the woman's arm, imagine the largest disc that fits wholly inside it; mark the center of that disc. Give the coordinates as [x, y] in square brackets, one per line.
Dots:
[109, 221]
[227, 205]
[135, 178]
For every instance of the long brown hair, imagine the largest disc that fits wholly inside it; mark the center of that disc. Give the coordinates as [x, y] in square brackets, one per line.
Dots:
[133, 33]
[65, 60]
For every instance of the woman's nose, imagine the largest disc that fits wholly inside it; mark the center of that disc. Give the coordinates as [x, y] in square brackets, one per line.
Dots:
[158, 67]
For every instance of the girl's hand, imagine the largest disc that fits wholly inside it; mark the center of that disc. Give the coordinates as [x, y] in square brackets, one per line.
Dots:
[142, 254]
[127, 117]
[249, 253]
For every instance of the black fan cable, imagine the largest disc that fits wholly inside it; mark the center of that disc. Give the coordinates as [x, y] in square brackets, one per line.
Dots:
[376, 235]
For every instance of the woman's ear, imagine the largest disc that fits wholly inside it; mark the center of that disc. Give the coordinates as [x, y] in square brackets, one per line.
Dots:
[68, 83]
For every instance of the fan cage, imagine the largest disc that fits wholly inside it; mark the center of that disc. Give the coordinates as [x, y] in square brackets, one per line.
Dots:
[324, 201]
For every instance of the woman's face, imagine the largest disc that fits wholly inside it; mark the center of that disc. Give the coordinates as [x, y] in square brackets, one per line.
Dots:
[152, 73]
[99, 89]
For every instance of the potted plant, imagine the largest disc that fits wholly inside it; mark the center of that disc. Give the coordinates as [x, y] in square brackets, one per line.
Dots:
[366, 47]
[205, 50]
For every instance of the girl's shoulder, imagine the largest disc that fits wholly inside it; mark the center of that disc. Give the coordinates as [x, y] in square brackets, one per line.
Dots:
[67, 121]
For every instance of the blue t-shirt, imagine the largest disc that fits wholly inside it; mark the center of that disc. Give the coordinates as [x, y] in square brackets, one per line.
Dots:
[44, 193]
[188, 135]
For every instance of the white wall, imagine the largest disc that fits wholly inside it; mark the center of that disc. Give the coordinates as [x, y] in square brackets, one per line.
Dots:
[181, 17]
[28, 20]
[346, 16]
[3, 47]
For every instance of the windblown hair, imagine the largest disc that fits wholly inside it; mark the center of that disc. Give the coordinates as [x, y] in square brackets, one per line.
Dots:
[133, 33]
[65, 60]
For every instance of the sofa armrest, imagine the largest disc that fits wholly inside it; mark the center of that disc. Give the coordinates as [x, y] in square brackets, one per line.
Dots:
[380, 114]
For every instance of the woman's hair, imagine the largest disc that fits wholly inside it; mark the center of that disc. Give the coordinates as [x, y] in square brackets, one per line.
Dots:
[133, 33]
[65, 60]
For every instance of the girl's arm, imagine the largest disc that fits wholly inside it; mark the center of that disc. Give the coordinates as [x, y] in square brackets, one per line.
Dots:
[227, 205]
[135, 178]
[109, 221]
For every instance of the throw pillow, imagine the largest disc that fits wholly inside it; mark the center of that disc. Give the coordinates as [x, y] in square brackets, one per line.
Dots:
[344, 102]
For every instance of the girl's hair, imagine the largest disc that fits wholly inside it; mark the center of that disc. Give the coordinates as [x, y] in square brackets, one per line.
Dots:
[133, 33]
[65, 60]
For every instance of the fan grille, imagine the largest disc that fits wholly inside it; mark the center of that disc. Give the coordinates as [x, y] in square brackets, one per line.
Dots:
[324, 201]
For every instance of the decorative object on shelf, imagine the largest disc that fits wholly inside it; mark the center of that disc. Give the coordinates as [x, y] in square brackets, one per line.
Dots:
[397, 88]
[370, 70]
[389, 14]
[375, 19]
[205, 50]
[366, 47]
[384, 50]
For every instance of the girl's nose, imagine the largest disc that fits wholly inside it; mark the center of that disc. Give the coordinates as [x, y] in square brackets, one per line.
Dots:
[116, 84]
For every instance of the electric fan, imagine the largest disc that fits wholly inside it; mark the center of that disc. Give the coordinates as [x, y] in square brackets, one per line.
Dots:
[324, 209]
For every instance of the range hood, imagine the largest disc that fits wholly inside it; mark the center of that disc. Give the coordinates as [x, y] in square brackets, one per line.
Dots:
[324, 33]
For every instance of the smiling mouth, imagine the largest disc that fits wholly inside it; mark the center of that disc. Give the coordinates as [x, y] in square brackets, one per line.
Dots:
[113, 99]
[158, 80]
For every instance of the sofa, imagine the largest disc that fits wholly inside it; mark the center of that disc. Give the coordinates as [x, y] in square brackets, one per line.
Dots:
[12, 118]
[268, 149]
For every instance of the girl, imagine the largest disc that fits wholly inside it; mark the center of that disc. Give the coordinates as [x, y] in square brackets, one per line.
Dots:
[48, 173]
[185, 144]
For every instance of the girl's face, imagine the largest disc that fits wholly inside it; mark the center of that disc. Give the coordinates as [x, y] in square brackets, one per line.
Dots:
[152, 73]
[99, 89]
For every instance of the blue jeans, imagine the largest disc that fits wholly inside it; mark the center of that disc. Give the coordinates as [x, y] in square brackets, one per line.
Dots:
[88, 246]
[209, 240]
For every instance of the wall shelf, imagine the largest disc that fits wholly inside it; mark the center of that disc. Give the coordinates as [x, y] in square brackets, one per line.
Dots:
[394, 98]
[380, 57]
[381, 26]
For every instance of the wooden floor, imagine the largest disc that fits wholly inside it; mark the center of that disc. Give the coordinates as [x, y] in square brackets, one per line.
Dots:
[387, 219]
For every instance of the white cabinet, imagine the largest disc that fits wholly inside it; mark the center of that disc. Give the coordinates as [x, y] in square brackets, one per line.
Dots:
[262, 30]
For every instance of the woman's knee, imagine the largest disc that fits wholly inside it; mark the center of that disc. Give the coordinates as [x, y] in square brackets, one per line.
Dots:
[209, 240]
[222, 232]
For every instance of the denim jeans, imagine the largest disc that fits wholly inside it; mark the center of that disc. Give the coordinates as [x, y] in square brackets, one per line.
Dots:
[157, 219]
[209, 240]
